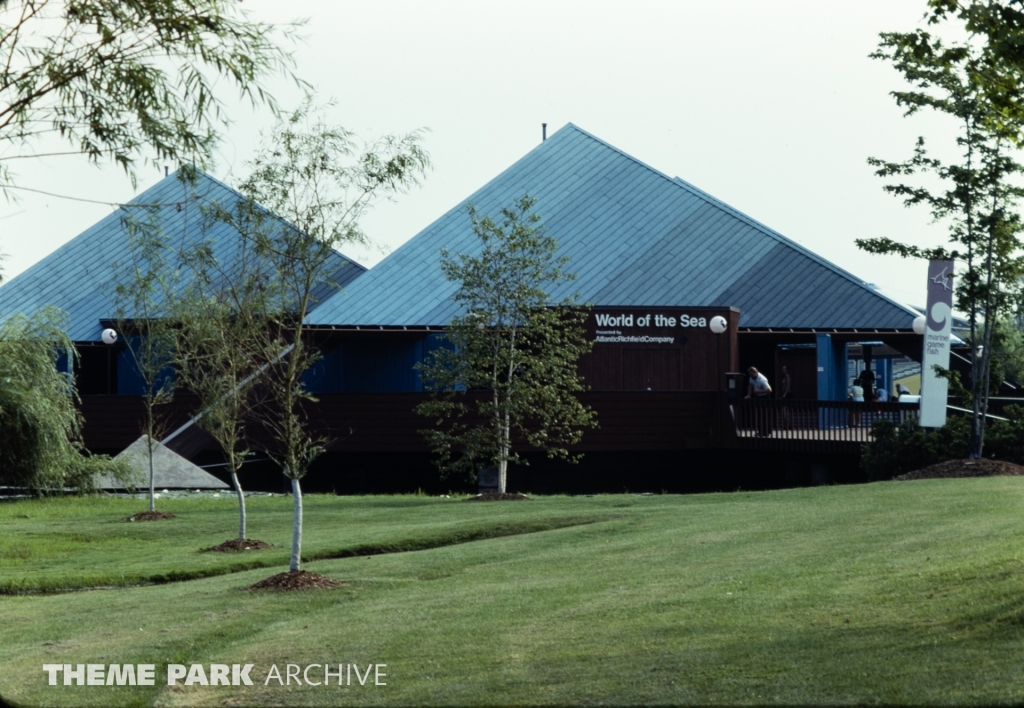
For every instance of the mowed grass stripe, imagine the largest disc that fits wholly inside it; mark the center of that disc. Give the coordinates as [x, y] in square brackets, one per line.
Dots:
[47, 547]
[887, 593]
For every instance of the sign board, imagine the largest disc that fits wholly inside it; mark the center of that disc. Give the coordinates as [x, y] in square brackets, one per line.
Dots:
[659, 348]
[631, 327]
[938, 325]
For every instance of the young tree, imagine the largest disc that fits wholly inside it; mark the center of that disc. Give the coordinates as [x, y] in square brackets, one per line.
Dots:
[142, 296]
[219, 332]
[40, 427]
[978, 199]
[111, 78]
[321, 180]
[114, 78]
[512, 366]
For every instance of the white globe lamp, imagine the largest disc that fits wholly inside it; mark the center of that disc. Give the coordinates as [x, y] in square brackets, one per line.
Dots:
[919, 324]
[109, 336]
[718, 324]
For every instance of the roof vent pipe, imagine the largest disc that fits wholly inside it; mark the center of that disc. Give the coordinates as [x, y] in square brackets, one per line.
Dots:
[543, 132]
[167, 170]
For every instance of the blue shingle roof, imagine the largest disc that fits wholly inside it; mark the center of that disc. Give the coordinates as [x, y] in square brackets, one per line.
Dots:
[635, 237]
[80, 276]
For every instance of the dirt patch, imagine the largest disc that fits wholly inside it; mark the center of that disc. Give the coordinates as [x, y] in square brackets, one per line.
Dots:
[240, 544]
[151, 516]
[300, 580]
[499, 496]
[965, 468]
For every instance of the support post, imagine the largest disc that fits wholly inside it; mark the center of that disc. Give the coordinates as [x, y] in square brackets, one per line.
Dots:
[833, 361]
[883, 374]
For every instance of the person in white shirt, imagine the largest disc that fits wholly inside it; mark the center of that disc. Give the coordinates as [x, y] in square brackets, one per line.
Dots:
[757, 386]
[857, 396]
[759, 389]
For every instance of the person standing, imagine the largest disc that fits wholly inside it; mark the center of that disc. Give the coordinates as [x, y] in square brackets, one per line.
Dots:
[881, 396]
[867, 381]
[759, 390]
[785, 390]
[857, 396]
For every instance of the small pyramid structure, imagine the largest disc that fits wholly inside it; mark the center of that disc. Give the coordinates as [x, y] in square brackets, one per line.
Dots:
[170, 470]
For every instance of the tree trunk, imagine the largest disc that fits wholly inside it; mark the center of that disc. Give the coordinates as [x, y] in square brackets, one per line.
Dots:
[974, 443]
[152, 477]
[241, 504]
[296, 558]
[506, 449]
[980, 407]
[986, 371]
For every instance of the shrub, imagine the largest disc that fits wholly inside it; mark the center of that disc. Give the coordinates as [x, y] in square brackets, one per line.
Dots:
[897, 450]
[40, 428]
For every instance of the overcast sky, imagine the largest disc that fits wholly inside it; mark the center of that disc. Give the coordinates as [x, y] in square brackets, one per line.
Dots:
[771, 107]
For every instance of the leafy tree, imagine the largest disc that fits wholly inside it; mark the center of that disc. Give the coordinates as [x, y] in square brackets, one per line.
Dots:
[114, 78]
[511, 368]
[1007, 355]
[322, 180]
[978, 195]
[40, 427]
[998, 25]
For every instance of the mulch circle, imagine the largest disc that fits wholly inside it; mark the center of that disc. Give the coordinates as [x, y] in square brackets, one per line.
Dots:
[300, 580]
[965, 468]
[499, 496]
[239, 544]
[150, 516]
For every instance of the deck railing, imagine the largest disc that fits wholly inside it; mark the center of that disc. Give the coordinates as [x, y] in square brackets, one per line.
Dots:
[804, 420]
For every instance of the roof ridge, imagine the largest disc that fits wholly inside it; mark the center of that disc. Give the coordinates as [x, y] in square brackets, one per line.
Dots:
[767, 230]
[234, 191]
[458, 206]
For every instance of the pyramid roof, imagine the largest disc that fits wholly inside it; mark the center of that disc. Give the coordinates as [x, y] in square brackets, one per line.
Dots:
[80, 277]
[634, 236]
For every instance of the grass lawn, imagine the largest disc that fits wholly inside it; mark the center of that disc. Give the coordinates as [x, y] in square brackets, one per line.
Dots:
[899, 592]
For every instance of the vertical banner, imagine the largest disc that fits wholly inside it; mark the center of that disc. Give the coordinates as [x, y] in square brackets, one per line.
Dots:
[938, 323]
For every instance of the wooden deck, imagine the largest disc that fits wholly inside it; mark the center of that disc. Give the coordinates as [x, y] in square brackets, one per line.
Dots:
[811, 426]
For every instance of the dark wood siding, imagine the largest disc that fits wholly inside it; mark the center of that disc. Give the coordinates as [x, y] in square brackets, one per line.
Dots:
[112, 423]
[385, 422]
[803, 371]
[648, 369]
[655, 420]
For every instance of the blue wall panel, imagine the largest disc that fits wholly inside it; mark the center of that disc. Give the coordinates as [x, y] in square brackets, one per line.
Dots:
[431, 343]
[129, 379]
[381, 365]
[328, 374]
[373, 365]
